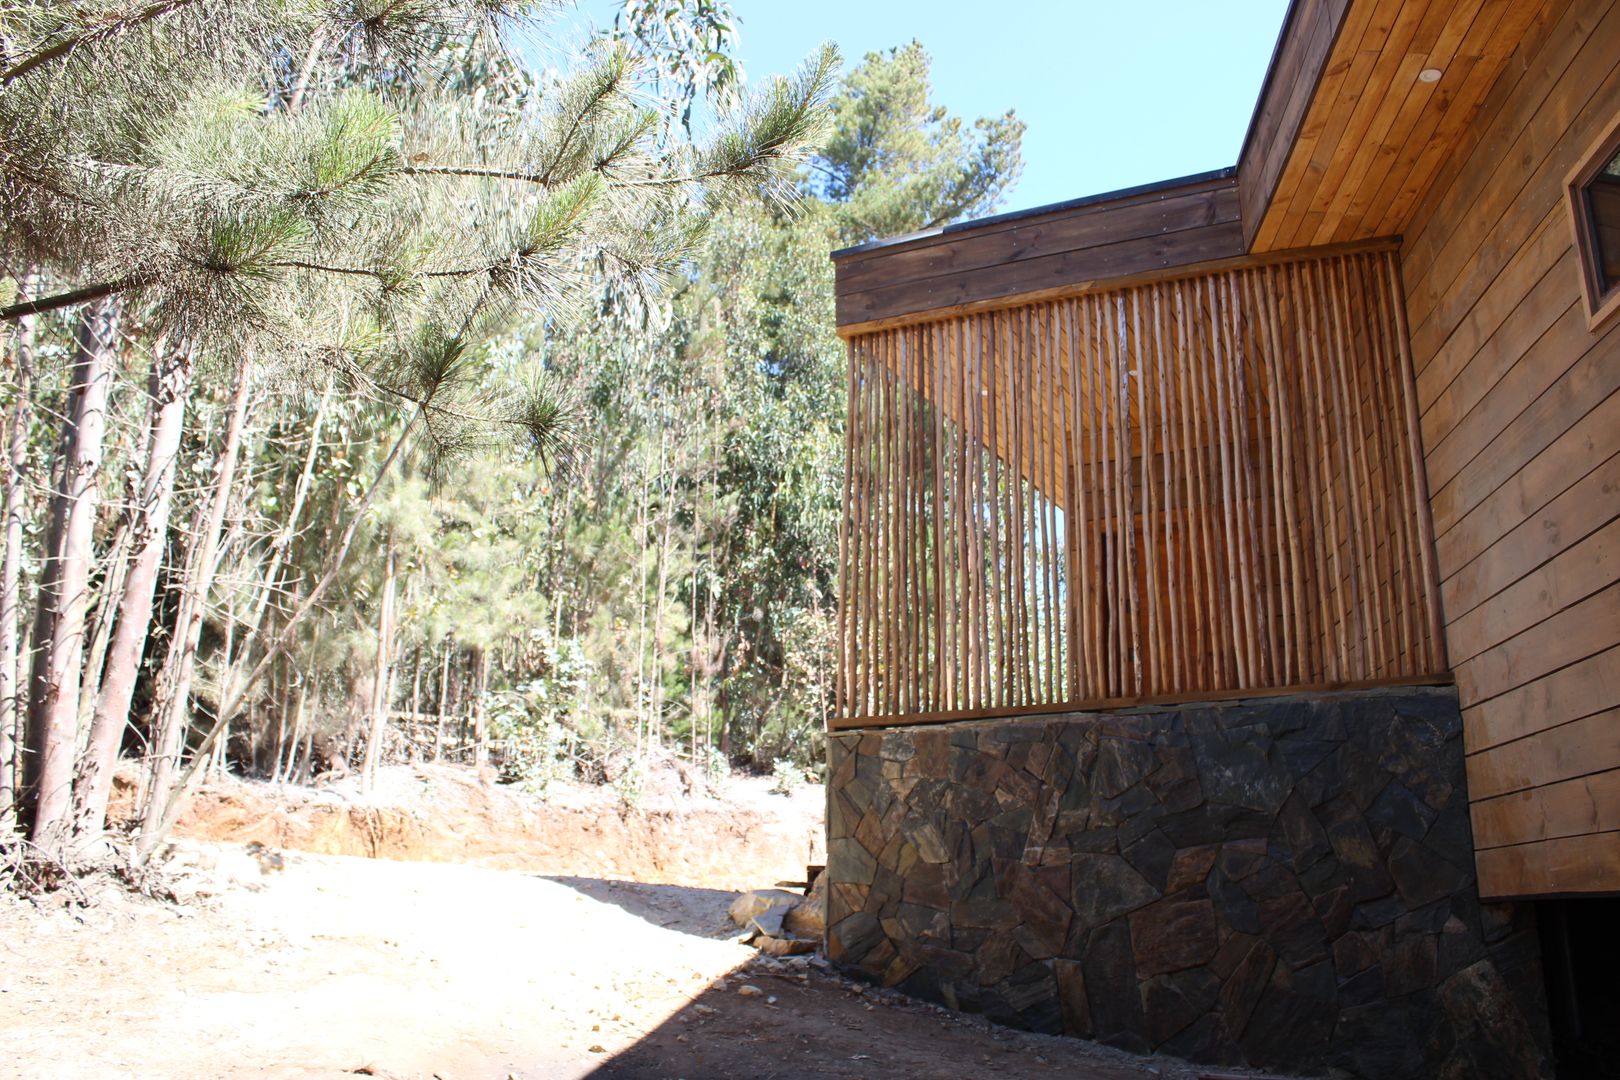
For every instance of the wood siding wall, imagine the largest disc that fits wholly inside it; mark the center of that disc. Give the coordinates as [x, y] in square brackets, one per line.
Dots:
[1520, 408]
[1199, 486]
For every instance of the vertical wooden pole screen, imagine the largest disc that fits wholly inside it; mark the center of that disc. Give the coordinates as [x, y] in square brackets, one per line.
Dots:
[1193, 486]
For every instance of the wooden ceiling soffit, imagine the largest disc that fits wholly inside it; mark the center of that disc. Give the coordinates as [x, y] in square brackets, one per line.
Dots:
[1364, 102]
[1156, 227]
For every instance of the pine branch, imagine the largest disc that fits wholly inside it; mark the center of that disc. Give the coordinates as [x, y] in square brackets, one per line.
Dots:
[109, 29]
[74, 297]
[480, 171]
[604, 91]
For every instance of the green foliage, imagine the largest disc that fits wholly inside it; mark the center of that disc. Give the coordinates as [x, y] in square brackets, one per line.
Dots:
[899, 163]
[537, 721]
[787, 776]
[716, 769]
[694, 557]
[615, 534]
[690, 44]
[274, 174]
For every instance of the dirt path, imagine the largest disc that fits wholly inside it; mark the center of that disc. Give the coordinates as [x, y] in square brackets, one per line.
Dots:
[337, 966]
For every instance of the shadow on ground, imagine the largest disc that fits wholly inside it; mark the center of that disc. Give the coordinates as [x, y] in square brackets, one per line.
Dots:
[809, 1022]
[688, 910]
[785, 1019]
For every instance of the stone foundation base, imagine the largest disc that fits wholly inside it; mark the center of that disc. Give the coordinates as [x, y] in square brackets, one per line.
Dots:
[1280, 883]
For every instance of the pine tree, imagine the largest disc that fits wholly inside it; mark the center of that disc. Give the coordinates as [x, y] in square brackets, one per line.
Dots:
[349, 191]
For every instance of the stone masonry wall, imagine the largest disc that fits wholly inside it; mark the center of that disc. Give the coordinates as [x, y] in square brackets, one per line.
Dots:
[1281, 883]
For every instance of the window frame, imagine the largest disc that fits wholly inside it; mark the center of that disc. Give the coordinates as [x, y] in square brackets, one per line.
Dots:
[1598, 304]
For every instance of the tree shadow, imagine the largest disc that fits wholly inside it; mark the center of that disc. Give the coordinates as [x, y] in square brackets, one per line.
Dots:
[794, 1018]
[808, 1023]
[685, 909]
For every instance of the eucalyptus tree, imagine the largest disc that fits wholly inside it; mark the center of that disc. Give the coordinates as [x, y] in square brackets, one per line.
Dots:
[708, 510]
[350, 190]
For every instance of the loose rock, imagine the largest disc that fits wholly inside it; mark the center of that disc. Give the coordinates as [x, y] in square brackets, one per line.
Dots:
[783, 946]
[808, 918]
[757, 902]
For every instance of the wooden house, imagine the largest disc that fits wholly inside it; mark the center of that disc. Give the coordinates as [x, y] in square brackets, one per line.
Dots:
[1230, 639]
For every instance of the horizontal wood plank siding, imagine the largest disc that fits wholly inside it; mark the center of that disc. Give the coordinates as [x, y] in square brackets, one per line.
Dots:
[1520, 422]
[1202, 486]
[1156, 229]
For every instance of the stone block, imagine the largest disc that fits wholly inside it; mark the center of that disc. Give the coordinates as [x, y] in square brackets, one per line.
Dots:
[1121, 764]
[1028, 999]
[1410, 965]
[1422, 876]
[849, 862]
[1334, 908]
[1172, 1003]
[1384, 1039]
[1106, 886]
[1190, 866]
[1206, 1040]
[1293, 1019]
[1211, 822]
[1236, 770]
[1233, 904]
[1151, 857]
[1290, 924]
[998, 958]
[1111, 986]
[1493, 1039]
[1071, 988]
[1399, 809]
[1172, 935]
[1301, 833]
[899, 746]
[1045, 914]
[1241, 990]
[850, 940]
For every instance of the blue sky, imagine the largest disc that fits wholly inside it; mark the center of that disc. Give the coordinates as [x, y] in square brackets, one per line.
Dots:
[1114, 93]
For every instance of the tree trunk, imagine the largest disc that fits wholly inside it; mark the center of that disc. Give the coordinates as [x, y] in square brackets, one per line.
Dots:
[53, 718]
[416, 697]
[444, 702]
[306, 760]
[666, 498]
[641, 623]
[170, 383]
[694, 693]
[167, 801]
[11, 575]
[100, 625]
[480, 728]
[265, 598]
[171, 713]
[381, 696]
[285, 772]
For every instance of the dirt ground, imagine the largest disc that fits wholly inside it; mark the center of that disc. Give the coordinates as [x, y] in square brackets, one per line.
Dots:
[337, 965]
[677, 831]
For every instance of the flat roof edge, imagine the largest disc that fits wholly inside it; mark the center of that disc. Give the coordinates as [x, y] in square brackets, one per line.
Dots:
[1290, 17]
[1228, 173]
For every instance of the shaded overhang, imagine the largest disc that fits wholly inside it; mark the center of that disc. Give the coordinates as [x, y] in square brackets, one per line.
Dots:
[1365, 104]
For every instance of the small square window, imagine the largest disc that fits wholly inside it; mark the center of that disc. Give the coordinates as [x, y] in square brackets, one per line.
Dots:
[1594, 202]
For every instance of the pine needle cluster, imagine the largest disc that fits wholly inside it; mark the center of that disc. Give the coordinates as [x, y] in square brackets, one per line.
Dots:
[323, 186]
